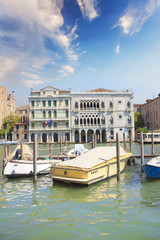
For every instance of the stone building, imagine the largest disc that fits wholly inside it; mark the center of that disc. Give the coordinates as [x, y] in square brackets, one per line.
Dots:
[150, 112]
[7, 104]
[77, 115]
[21, 129]
[101, 112]
[49, 114]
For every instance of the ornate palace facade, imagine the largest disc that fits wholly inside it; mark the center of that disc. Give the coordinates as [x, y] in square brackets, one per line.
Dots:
[77, 116]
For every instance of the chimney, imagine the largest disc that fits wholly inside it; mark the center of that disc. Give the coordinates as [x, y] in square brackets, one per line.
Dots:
[31, 90]
[12, 94]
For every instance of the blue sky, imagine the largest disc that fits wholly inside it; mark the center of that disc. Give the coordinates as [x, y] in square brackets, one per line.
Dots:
[80, 44]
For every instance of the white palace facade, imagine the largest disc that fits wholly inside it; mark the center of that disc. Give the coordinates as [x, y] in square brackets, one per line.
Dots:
[76, 116]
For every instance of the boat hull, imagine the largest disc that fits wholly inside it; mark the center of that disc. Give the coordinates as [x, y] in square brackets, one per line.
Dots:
[151, 171]
[87, 177]
[15, 169]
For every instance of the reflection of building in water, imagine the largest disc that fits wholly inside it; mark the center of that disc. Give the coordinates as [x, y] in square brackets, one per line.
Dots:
[77, 115]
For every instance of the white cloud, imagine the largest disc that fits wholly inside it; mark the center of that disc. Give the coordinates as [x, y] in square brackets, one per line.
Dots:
[32, 83]
[7, 66]
[92, 69]
[88, 8]
[30, 75]
[134, 18]
[31, 22]
[117, 49]
[66, 69]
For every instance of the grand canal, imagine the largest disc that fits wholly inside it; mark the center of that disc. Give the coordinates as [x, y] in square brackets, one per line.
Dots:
[128, 209]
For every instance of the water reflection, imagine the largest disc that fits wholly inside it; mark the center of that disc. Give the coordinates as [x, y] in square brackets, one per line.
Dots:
[149, 192]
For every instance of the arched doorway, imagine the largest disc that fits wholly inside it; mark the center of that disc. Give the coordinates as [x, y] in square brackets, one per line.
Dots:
[104, 136]
[76, 136]
[55, 137]
[67, 136]
[83, 136]
[89, 135]
[32, 137]
[98, 135]
[44, 137]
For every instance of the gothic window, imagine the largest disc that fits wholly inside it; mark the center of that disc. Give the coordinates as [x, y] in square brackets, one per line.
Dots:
[102, 104]
[111, 120]
[128, 104]
[76, 104]
[111, 104]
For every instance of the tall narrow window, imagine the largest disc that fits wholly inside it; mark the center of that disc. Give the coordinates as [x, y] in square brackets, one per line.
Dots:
[49, 114]
[66, 103]
[44, 103]
[49, 103]
[44, 114]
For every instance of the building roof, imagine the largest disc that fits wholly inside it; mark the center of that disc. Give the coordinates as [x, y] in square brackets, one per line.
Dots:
[101, 90]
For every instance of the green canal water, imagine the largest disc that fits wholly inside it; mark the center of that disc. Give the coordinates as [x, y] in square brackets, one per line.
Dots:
[128, 209]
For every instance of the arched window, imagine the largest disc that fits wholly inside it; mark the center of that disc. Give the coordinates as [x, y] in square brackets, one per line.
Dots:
[129, 120]
[102, 104]
[80, 120]
[76, 121]
[49, 114]
[111, 120]
[128, 104]
[111, 104]
[32, 114]
[76, 104]
[44, 114]
[103, 120]
[55, 114]
[84, 121]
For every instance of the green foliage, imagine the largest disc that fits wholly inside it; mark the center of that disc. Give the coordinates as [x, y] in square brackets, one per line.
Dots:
[2, 133]
[9, 122]
[139, 121]
[144, 130]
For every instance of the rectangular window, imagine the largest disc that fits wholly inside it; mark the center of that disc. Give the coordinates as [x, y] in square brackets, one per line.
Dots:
[32, 103]
[66, 103]
[67, 124]
[17, 127]
[49, 103]
[32, 125]
[25, 127]
[55, 124]
[44, 103]
[17, 136]
[25, 136]
[55, 103]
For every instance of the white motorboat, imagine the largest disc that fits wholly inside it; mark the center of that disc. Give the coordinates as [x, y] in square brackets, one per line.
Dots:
[14, 166]
[78, 149]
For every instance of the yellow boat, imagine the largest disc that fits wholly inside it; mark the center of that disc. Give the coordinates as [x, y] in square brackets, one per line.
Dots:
[97, 164]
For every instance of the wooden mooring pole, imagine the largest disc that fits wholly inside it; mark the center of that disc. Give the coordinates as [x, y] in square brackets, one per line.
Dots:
[5, 150]
[152, 150]
[130, 142]
[142, 150]
[35, 158]
[124, 141]
[22, 150]
[118, 156]
[50, 145]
